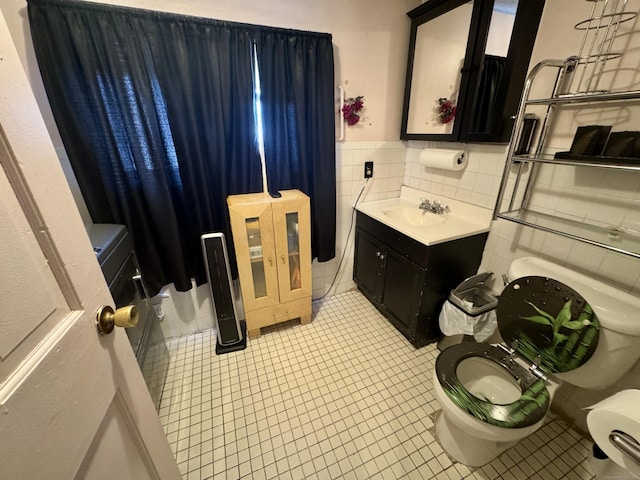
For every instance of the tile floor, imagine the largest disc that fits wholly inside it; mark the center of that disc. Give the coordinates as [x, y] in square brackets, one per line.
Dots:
[345, 397]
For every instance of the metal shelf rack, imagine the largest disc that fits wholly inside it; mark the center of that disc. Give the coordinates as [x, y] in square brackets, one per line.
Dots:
[516, 189]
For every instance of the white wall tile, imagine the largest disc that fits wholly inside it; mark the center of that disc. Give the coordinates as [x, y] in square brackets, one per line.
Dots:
[482, 200]
[463, 195]
[483, 184]
[619, 268]
[449, 191]
[475, 184]
[388, 176]
[585, 257]
[467, 181]
[186, 312]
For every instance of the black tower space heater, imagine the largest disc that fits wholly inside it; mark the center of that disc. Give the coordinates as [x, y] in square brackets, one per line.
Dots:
[231, 331]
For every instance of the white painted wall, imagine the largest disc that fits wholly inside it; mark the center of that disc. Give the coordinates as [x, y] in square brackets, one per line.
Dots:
[362, 30]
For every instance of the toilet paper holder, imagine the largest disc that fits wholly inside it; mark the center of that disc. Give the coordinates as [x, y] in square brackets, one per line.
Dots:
[626, 444]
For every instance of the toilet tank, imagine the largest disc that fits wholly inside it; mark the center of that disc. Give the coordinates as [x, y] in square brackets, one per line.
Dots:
[619, 345]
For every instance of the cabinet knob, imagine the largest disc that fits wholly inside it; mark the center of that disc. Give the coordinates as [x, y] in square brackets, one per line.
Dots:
[270, 261]
[381, 256]
[377, 254]
[282, 257]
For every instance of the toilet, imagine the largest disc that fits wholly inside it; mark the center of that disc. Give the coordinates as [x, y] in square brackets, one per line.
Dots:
[557, 326]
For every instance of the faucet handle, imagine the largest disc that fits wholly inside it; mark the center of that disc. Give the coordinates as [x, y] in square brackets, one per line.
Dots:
[440, 207]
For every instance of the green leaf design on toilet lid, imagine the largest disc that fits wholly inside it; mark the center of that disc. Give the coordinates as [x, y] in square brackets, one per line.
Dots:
[551, 323]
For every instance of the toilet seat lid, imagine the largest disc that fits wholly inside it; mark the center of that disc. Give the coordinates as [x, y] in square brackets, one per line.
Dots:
[547, 322]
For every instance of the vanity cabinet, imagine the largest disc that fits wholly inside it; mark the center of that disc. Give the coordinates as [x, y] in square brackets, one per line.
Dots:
[272, 240]
[407, 280]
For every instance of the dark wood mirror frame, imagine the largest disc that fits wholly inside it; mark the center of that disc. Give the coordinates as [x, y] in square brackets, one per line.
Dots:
[500, 121]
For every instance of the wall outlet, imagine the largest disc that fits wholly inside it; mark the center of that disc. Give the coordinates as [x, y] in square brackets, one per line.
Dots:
[159, 311]
[368, 169]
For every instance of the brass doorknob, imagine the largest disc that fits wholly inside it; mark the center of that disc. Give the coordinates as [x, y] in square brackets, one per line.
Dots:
[106, 318]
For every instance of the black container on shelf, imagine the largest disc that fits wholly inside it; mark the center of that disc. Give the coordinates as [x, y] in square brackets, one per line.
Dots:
[621, 144]
[529, 126]
[590, 140]
[621, 148]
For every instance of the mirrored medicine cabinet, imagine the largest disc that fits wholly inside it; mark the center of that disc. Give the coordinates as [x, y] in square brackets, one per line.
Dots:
[471, 55]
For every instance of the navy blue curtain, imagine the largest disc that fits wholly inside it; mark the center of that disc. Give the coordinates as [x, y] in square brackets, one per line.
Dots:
[156, 115]
[206, 70]
[296, 78]
[487, 95]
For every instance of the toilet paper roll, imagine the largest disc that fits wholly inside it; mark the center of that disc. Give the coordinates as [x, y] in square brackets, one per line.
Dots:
[443, 159]
[618, 412]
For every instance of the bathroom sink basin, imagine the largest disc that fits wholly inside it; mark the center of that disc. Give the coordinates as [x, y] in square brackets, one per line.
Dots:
[403, 215]
[413, 216]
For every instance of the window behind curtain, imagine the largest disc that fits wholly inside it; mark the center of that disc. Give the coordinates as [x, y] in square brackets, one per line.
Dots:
[297, 99]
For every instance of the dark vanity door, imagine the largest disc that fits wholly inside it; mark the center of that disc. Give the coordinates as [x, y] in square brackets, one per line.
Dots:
[402, 291]
[391, 281]
[368, 265]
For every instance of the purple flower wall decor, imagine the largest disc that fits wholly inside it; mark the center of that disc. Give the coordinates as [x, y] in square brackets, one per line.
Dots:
[445, 111]
[352, 110]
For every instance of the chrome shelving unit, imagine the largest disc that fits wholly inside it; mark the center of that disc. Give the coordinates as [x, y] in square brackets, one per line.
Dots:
[516, 188]
[576, 84]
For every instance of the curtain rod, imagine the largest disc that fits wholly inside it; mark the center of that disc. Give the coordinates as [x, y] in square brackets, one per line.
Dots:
[171, 16]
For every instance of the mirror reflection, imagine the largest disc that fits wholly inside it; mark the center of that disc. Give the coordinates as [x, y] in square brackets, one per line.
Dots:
[439, 57]
[493, 64]
[466, 68]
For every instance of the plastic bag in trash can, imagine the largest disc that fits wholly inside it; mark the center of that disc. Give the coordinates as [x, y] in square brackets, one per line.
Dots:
[454, 321]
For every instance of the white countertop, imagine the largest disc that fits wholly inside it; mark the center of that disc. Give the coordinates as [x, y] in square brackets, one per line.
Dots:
[462, 219]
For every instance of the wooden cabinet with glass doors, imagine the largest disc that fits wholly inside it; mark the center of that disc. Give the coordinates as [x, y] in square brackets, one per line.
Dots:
[272, 239]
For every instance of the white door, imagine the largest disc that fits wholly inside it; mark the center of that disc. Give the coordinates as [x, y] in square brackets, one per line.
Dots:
[73, 404]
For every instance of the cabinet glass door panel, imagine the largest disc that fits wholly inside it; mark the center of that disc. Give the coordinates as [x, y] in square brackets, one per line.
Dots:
[252, 227]
[254, 240]
[293, 251]
[292, 224]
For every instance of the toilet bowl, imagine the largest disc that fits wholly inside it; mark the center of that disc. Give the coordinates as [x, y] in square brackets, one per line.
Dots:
[477, 423]
[493, 396]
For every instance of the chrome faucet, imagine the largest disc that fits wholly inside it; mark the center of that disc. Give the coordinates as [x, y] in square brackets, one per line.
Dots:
[433, 206]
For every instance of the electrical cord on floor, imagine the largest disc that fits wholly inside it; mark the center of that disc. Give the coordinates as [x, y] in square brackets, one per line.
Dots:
[346, 243]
